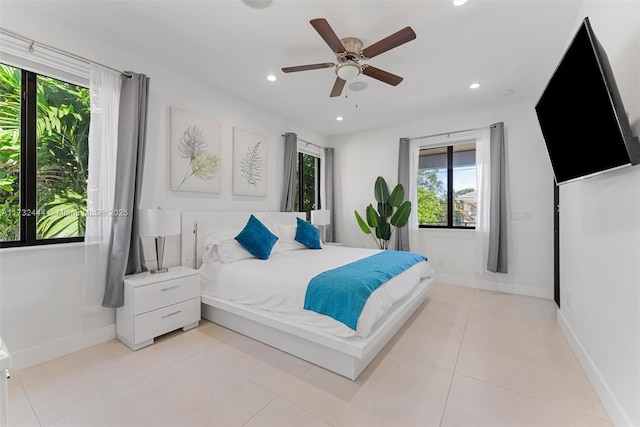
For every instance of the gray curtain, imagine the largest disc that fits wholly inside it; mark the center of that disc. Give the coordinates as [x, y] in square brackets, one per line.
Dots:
[289, 180]
[497, 260]
[404, 160]
[125, 249]
[328, 203]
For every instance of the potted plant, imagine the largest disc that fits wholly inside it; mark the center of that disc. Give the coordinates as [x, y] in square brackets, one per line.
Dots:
[393, 212]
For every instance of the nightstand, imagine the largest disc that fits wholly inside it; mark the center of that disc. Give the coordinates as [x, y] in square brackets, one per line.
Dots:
[155, 304]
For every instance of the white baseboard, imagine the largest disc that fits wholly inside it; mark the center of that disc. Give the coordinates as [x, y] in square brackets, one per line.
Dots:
[41, 353]
[616, 412]
[492, 285]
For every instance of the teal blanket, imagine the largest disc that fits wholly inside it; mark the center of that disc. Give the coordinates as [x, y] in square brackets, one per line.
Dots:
[341, 293]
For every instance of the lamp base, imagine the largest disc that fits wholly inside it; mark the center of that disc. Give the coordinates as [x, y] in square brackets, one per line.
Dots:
[159, 256]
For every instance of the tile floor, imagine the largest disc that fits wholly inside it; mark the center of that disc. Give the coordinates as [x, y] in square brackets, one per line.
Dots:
[466, 358]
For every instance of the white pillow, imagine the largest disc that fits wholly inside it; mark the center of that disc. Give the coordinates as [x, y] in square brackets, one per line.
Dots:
[211, 243]
[223, 247]
[287, 237]
[229, 250]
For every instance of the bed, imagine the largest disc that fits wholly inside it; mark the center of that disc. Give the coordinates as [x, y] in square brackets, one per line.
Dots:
[263, 299]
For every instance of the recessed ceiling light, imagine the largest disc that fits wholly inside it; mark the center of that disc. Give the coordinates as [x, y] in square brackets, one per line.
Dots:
[339, 118]
[257, 4]
[474, 85]
[272, 78]
[459, 2]
[507, 92]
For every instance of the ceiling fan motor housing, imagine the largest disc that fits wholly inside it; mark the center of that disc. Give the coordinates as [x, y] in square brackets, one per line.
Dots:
[353, 46]
[348, 67]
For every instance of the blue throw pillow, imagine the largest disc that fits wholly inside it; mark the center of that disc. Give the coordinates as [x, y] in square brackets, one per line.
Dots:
[256, 238]
[307, 234]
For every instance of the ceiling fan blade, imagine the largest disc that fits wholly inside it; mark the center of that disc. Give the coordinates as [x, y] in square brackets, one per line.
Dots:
[394, 40]
[326, 32]
[308, 67]
[382, 75]
[338, 86]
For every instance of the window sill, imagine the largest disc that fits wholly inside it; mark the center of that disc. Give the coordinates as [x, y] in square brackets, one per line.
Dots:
[41, 248]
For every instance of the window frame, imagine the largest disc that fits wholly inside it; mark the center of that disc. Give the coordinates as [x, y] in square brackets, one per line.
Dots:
[450, 190]
[28, 166]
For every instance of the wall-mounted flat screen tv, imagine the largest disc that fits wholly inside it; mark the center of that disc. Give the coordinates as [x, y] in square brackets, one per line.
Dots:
[584, 124]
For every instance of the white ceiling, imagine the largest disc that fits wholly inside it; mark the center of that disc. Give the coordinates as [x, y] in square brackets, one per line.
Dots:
[501, 44]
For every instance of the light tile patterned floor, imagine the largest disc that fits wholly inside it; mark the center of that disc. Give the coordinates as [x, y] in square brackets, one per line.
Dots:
[466, 358]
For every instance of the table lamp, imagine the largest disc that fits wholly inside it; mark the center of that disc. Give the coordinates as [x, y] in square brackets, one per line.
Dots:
[321, 218]
[159, 223]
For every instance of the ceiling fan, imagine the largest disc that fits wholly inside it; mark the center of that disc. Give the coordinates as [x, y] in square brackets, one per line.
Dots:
[349, 53]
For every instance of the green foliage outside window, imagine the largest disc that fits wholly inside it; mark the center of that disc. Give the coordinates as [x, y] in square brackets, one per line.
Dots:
[308, 188]
[429, 208]
[62, 133]
[9, 153]
[432, 201]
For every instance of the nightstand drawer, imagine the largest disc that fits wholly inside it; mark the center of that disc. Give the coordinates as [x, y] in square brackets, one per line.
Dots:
[161, 294]
[167, 319]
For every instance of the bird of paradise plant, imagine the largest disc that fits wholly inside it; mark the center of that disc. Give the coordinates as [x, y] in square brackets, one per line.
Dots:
[392, 213]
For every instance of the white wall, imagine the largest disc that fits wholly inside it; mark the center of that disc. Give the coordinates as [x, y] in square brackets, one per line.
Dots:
[360, 158]
[600, 240]
[41, 288]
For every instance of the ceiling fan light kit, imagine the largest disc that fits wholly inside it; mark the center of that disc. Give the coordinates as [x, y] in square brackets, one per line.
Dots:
[349, 53]
[348, 70]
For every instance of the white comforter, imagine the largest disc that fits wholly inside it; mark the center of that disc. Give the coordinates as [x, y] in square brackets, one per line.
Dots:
[279, 285]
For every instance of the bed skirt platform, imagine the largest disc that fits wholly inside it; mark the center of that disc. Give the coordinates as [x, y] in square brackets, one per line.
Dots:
[345, 356]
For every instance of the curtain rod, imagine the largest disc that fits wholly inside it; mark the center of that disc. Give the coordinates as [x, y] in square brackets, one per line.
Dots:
[33, 43]
[311, 143]
[308, 142]
[441, 134]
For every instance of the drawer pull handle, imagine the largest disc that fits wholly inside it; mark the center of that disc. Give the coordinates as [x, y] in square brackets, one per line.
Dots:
[171, 314]
[170, 288]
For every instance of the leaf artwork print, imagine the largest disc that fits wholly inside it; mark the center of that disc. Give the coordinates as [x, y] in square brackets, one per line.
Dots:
[193, 146]
[251, 165]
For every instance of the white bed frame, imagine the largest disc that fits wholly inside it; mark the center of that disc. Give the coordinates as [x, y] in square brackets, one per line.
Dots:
[345, 356]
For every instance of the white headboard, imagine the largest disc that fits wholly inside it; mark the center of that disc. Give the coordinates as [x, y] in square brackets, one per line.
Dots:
[197, 225]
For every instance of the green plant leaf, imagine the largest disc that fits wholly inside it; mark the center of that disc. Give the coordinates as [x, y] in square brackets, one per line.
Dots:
[372, 216]
[362, 224]
[64, 216]
[381, 191]
[383, 231]
[397, 195]
[385, 210]
[401, 217]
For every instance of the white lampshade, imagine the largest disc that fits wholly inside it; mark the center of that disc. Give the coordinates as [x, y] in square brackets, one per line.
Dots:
[321, 217]
[159, 222]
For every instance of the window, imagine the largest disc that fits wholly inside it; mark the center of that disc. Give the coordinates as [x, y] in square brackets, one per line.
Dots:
[308, 184]
[44, 133]
[447, 186]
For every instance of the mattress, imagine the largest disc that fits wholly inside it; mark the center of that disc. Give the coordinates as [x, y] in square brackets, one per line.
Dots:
[279, 285]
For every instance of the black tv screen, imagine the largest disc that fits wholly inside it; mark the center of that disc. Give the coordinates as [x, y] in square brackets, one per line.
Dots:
[583, 121]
